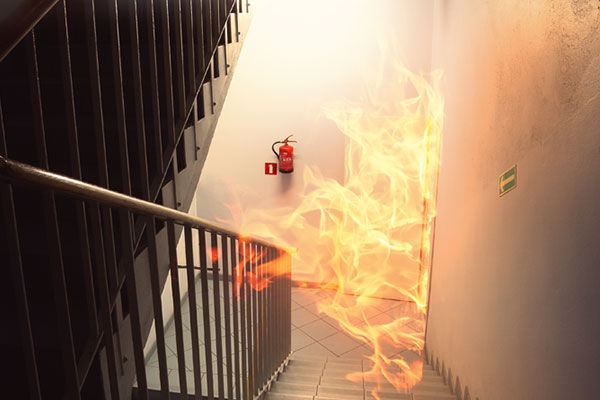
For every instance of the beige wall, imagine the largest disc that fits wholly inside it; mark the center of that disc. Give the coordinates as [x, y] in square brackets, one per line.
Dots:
[516, 279]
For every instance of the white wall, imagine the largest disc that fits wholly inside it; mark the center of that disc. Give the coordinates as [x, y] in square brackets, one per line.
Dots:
[515, 294]
[298, 57]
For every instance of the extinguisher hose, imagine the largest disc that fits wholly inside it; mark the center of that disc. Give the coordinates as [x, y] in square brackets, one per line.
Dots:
[273, 148]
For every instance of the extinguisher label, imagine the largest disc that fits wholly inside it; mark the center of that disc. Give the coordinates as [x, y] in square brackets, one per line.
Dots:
[270, 168]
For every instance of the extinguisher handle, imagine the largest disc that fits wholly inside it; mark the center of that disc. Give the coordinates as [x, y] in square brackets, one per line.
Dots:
[273, 148]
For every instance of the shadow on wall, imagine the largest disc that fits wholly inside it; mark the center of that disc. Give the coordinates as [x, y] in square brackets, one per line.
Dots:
[285, 182]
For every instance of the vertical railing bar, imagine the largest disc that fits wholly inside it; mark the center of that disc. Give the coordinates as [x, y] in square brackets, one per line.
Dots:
[205, 313]
[211, 73]
[225, 44]
[237, 22]
[96, 95]
[236, 336]
[216, 25]
[157, 307]
[208, 21]
[180, 75]
[217, 306]
[177, 307]
[75, 165]
[249, 321]
[168, 72]
[226, 296]
[255, 321]
[52, 230]
[138, 98]
[18, 278]
[244, 326]
[259, 324]
[113, 22]
[67, 80]
[189, 258]
[279, 312]
[108, 230]
[190, 51]
[104, 295]
[261, 307]
[197, 7]
[69, 99]
[271, 314]
[288, 336]
[134, 310]
[153, 71]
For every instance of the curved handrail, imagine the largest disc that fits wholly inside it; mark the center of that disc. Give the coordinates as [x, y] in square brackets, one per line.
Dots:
[16, 20]
[20, 172]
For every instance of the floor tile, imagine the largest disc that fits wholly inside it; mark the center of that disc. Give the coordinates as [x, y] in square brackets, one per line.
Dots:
[305, 297]
[315, 350]
[318, 329]
[339, 343]
[358, 352]
[301, 317]
[300, 340]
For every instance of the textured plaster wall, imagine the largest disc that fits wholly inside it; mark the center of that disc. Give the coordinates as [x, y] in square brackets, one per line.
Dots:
[516, 279]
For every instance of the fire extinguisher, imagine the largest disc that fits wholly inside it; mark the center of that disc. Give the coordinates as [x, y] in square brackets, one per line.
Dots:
[286, 155]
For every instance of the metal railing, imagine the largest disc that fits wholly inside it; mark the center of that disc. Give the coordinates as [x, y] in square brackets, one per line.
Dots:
[250, 319]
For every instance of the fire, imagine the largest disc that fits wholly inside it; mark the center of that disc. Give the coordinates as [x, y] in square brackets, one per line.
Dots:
[375, 228]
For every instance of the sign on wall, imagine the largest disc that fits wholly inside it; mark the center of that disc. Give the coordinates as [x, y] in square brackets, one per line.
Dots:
[508, 181]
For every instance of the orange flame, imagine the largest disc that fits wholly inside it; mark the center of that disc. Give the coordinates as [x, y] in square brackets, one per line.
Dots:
[262, 270]
[374, 229]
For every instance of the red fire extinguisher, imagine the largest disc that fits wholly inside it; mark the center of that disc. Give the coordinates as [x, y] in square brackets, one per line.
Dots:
[286, 155]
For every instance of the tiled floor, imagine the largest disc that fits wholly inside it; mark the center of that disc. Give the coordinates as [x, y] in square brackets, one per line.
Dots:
[316, 334]
[313, 334]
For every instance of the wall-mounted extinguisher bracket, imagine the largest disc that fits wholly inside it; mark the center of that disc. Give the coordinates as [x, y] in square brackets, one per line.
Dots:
[285, 155]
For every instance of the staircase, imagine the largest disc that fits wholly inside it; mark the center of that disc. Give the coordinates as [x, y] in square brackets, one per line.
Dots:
[323, 378]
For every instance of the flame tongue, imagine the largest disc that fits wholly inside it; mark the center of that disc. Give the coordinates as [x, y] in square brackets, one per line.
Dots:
[375, 228]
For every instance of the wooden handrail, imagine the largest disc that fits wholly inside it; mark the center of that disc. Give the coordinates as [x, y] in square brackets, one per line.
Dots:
[20, 172]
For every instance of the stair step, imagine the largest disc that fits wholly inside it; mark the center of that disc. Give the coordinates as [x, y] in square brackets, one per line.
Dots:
[345, 361]
[389, 396]
[431, 387]
[290, 369]
[343, 367]
[296, 378]
[287, 396]
[294, 388]
[423, 395]
[299, 357]
[306, 363]
[329, 381]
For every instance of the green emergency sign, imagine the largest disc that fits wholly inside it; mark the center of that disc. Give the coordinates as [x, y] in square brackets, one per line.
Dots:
[508, 180]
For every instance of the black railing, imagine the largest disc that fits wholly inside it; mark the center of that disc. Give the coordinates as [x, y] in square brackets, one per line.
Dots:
[247, 310]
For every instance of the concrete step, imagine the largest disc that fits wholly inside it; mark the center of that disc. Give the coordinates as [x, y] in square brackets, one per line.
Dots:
[294, 388]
